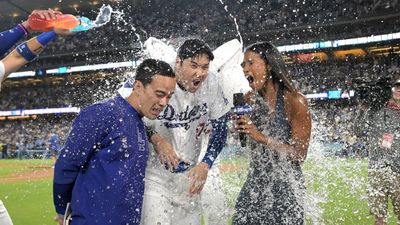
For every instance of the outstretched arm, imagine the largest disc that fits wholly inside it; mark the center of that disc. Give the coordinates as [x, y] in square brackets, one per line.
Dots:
[24, 53]
[217, 140]
[10, 37]
[198, 174]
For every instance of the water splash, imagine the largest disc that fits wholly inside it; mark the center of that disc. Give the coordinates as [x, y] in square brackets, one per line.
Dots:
[234, 20]
[104, 16]
[120, 18]
[102, 19]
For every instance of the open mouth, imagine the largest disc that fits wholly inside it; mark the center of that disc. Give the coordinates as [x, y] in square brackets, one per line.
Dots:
[250, 78]
[156, 111]
[196, 82]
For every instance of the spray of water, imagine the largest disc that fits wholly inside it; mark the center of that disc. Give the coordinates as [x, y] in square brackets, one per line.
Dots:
[234, 20]
[104, 16]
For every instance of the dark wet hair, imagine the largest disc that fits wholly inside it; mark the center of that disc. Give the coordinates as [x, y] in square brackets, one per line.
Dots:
[273, 57]
[150, 67]
[194, 47]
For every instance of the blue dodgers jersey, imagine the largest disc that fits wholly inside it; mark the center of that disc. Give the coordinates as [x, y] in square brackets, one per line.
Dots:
[101, 168]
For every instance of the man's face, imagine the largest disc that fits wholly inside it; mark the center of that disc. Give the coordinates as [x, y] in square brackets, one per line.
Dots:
[191, 72]
[155, 96]
[396, 92]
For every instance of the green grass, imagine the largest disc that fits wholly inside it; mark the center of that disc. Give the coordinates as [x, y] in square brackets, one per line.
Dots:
[336, 192]
[28, 202]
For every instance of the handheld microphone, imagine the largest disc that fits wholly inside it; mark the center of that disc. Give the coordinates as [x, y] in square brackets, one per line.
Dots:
[239, 103]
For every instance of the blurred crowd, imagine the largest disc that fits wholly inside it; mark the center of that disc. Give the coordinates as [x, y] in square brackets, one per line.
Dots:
[18, 136]
[213, 21]
[333, 119]
[210, 20]
[348, 74]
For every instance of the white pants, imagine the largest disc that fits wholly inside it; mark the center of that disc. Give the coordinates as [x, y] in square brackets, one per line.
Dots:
[4, 217]
[167, 200]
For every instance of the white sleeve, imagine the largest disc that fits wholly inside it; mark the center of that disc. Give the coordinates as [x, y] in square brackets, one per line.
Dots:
[2, 72]
[215, 97]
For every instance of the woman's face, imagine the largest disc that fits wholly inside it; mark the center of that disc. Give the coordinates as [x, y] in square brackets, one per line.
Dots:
[255, 70]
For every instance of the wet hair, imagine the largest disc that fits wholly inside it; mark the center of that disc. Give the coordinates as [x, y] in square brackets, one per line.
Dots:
[273, 57]
[194, 47]
[150, 67]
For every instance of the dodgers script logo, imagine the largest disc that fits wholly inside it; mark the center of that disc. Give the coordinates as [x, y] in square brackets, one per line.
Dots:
[174, 119]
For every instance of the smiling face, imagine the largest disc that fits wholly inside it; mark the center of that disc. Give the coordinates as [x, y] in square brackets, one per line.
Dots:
[191, 72]
[151, 99]
[255, 69]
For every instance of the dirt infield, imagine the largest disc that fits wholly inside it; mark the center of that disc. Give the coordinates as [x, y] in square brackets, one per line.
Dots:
[43, 172]
[37, 173]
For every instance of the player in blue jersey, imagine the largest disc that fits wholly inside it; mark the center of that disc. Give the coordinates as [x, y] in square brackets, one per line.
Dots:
[101, 168]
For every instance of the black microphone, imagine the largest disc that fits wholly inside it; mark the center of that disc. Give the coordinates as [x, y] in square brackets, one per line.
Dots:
[238, 100]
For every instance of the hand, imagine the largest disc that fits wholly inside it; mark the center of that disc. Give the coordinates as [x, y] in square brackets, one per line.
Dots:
[59, 219]
[166, 153]
[197, 178]
[63, 32]
[44, 14]
[246, 126]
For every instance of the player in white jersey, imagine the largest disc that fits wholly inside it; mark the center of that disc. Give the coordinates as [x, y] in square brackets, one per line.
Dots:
[173, 198]
[167, 198]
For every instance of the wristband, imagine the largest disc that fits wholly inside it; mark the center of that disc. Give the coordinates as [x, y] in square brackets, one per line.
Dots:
[23, 29]
[25, 52]
[46, 37]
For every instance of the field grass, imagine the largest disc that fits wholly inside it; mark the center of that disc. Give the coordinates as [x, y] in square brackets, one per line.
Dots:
[336, 191]
[28, 202]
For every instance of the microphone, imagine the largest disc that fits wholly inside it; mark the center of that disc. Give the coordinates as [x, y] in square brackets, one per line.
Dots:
[238, 102]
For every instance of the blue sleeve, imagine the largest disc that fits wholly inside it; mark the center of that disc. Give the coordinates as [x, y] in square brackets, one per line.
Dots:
[9, 38]
[217, 139]
[84, 137]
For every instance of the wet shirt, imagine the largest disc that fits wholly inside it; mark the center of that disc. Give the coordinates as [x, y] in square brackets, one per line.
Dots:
[276, 126]
[274, 188]
[101, 168]
[185, 117]
[385, 140]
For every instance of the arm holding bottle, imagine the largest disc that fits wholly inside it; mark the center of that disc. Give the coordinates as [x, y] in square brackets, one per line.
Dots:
[10, 37]
[26, 52]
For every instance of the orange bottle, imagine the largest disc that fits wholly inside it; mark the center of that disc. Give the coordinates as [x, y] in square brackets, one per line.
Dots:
[63, 21]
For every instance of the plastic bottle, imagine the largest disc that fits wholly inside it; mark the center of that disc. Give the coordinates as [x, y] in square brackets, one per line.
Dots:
[85, 24]
[64, 21]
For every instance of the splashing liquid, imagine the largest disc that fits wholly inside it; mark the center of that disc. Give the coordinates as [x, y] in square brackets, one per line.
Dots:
[234, 20]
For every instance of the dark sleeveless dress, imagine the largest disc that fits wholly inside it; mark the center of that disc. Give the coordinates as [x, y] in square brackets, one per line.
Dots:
[274, 190]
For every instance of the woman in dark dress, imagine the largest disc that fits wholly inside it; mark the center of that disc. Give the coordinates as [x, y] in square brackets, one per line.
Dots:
[279, 132]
